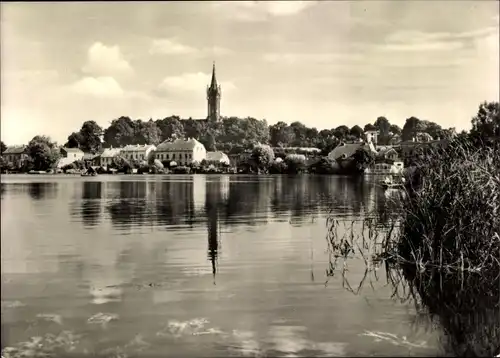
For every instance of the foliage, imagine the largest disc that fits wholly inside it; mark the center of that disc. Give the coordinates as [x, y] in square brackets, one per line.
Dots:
[278, 167]
[324, 166]
[121, 164]
[87, 139]
[450, 230]
[362, 159]
[43, 153]
[356, 132]
[486, 124]
[295, 163]
[3, 147]
[262, 156]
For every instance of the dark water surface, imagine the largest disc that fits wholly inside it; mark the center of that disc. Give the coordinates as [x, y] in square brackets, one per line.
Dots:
[185, 266]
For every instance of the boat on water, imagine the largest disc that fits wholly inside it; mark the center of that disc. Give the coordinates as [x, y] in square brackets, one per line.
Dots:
[390, 183]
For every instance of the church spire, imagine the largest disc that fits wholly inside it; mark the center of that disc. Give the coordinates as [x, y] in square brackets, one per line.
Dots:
[213, 84]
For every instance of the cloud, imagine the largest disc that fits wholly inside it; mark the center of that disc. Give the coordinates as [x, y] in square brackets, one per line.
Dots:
[262, 10]
[98, 86]
[419, 41]
[190, 82]
[308, 58]
[105, 60]
[170, 47]
[167, 46]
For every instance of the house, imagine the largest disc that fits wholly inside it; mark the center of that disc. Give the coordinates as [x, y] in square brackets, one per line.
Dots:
[72, 153]
[15, 155]
[387, 152]
[182, 151]
[137, 152]
[347, 150]
[387, 161]
[218, 157]
[107, 156]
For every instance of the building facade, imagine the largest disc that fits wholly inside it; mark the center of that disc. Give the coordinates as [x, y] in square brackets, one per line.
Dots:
[72, 154]
[137, 152]
[180, 151]
[213, 99]
[15, 155]
[107, 156]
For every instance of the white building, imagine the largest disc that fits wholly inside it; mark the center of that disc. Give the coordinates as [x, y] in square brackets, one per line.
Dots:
[72, 154]
[137, 152]
[182, 151]
[107, 156]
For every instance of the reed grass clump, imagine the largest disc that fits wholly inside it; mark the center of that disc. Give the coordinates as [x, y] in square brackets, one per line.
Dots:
[449, 243]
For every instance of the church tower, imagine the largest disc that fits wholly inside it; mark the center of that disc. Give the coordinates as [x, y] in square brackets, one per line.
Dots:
[213, 99]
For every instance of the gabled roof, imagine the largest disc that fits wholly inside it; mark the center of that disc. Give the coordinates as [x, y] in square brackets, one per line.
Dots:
[346, 150]
[386, 150]
[15, 149]
[72, 150]
[110, 152]
[178, 144]
[217, 156]
[136, 148]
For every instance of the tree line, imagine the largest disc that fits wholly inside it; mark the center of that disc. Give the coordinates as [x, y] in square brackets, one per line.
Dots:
[235, 135]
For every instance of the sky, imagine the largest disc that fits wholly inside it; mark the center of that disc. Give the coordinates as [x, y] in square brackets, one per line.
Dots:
[324, 63]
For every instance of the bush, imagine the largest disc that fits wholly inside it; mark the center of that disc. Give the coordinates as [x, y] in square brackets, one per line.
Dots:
[450, 232]
[296, 163]
[324, 166]
[278, 167]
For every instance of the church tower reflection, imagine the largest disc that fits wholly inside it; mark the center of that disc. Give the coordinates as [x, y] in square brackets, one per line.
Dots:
[213, 197]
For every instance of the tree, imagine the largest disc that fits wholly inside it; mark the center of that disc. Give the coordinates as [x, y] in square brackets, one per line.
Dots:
[394, 129]
[170, 128]
[262, 156]
[281, 135]
[209, 142]
[382, 124]
[341, 132]
[357, 132]
[369, 127]
[43, 152]
[3, 147]
[120, 132]
[486, 123]
[147, 133]
[410, 129]
[74, 140]
[90, 134]
[295, 163]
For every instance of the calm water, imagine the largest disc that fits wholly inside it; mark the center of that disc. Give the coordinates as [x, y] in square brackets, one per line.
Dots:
[184, 266]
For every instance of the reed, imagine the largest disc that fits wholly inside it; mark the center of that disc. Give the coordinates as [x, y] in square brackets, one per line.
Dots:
[443, 248]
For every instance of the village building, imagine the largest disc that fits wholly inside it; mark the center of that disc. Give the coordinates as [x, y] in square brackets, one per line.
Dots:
[15, 155]
[73, 154]
[107, 157]
[181, 151]
[68, 156]
[387, 161]
[137, 152]
[347, 150]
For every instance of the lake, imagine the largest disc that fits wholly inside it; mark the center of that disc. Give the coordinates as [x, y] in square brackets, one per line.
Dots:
[192, 266]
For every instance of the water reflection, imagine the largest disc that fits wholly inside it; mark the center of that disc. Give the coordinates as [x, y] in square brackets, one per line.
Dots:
[90, 207]
[40, 191]
[255, 234]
